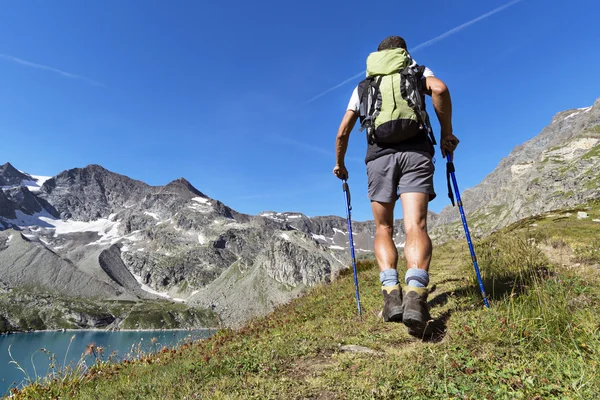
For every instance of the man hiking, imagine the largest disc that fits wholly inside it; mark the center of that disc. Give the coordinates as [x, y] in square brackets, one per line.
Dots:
[391, 106]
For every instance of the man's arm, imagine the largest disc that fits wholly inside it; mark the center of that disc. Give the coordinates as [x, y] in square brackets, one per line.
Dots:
[442, 103]
[341, 143]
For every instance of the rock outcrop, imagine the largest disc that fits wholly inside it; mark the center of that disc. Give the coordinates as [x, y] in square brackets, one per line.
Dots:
[558, 168]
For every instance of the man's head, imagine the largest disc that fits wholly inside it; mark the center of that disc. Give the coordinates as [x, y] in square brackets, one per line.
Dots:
[392, 42]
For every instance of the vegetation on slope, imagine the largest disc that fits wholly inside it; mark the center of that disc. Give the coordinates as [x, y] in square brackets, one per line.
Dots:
[540, 338]
[25, 309]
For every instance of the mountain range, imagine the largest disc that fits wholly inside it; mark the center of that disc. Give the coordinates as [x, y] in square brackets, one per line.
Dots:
[121, 246]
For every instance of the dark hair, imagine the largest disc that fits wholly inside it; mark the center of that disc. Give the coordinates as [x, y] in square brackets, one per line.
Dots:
[392, 42]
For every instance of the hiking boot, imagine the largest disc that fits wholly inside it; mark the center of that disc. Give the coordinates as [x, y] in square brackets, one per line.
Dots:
[416, 310]
[392, 303]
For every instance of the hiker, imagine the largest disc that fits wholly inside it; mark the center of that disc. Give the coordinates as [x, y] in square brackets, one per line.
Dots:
[391, 105]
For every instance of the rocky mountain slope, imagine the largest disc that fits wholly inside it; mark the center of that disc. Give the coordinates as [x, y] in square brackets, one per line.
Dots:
[89, 232]
[559, 168]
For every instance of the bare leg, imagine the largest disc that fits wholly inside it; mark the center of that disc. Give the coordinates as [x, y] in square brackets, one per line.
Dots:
[417, 249]
[387, 258]
[385, 249]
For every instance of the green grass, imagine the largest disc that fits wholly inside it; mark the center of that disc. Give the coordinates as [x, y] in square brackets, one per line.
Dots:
[540, 338]
[595, 129]
[593, 153]
[167, 315]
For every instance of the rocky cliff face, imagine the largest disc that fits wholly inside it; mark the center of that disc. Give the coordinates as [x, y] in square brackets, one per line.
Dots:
[10, 176]
[332, 231]
[91, 232]
[556, 169]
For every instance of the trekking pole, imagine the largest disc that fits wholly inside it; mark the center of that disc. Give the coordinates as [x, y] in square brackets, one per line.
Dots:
[348, 209]
[451, 176]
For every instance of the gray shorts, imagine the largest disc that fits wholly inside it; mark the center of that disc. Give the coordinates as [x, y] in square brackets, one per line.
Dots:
[404, 172]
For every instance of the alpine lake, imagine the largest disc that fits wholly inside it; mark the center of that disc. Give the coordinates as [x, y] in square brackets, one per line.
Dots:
[27, 357]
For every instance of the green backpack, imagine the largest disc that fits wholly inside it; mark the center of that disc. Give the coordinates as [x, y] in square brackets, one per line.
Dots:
[392, 100]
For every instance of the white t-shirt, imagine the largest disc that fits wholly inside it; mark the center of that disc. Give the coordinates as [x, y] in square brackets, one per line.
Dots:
[354, 103]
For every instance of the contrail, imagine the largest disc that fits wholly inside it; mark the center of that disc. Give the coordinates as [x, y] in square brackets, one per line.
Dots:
[306, 146]
[314, 149]
[425, 44]
[362, 73]
[463, 26]
[51, 69]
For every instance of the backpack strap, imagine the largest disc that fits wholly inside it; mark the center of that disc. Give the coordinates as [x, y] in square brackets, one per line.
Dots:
[413, 90]
[370, 106]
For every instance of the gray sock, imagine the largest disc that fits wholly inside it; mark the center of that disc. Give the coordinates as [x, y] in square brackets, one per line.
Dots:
[416, 277]
[388, 277]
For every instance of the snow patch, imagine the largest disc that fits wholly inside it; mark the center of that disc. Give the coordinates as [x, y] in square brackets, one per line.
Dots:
[201, 204]
[201, 200]
[202, 239]
[572, 115]
[335, 230]
[285, 236]
[36, 183]
[23, 220]
[319, 237]
[148, 289]
[273, 216]
[585, 109]
[151, 214]
[596, 220]
[107, 229]
[134, 236]
[9, 238]
[33, 185]
[336, 247]
[194, 292]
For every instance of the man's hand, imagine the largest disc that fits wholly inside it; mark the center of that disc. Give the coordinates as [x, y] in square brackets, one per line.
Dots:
[448, 143]
[341, 172]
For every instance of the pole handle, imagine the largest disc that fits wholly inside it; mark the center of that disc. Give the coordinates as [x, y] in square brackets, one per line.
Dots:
[449, 171]
[346, 189]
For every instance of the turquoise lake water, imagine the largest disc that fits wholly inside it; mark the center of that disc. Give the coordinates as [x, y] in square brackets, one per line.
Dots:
[26, 349]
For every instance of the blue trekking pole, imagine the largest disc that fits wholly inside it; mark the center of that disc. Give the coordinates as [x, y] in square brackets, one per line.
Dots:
[451, 176]
[348, 209]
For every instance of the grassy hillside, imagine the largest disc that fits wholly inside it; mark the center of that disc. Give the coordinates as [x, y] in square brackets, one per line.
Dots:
[540, 338]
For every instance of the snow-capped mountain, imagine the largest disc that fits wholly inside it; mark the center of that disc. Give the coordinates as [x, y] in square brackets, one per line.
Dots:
[92, 232]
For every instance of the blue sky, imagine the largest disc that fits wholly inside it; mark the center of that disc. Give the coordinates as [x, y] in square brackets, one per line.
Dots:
[234, 96]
